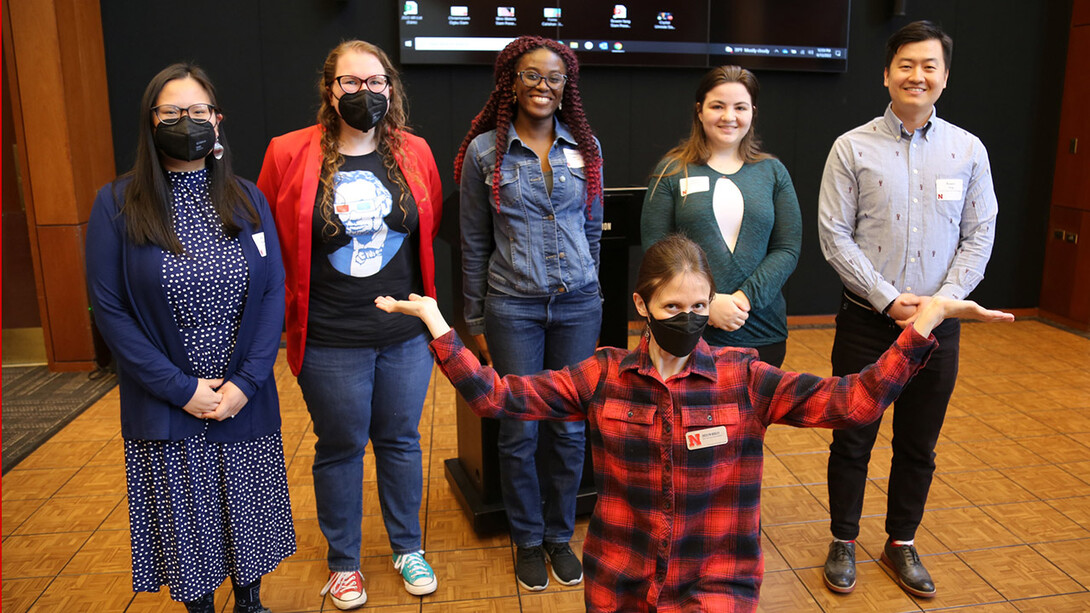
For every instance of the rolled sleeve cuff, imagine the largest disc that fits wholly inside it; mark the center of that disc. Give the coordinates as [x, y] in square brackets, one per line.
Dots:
[882, 296]
[446, 346]
[952, 291]
[475, 326]
[914, 346]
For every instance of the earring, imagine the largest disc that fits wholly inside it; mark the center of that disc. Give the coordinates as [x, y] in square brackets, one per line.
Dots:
[560, 107]
[217, 149]
[514, 99]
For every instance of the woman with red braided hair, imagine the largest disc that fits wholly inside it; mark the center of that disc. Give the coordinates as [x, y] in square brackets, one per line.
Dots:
[531, 220]
[357, 200]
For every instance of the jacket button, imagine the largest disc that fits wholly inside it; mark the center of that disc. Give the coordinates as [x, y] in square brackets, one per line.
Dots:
[709, 416]
[563, 178]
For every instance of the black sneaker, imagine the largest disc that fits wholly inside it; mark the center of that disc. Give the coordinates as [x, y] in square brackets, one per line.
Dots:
[840, 567]
[530, 568]
[908, 570]
[566, 566]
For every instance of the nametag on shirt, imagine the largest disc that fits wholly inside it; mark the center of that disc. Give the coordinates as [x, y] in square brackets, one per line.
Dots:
[259, 240]
[693, 185]
[575, 159]
[948, 189]
[709, 437]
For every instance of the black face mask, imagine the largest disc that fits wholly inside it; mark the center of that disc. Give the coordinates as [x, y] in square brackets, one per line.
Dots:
[678, 335]
[186, 140]
[363, 109]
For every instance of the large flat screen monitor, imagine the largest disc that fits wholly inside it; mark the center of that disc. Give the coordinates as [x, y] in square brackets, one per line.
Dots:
[763, 34]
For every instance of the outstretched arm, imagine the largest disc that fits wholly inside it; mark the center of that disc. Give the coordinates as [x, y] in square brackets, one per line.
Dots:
[804, 400]
[559, 395]
[939, 308]
[424, 307]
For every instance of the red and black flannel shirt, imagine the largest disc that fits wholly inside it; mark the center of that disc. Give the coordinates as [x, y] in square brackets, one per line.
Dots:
[678, 529]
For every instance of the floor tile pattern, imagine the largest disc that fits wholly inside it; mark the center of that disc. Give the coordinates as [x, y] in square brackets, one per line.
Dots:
[1007, 527]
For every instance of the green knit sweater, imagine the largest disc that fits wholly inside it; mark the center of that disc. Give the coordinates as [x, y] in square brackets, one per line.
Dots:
[768, 243]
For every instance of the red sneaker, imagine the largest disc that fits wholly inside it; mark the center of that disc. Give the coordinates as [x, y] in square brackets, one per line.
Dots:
[346, 589]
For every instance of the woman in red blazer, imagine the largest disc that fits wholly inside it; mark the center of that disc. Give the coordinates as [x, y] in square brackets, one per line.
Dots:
[357, 201]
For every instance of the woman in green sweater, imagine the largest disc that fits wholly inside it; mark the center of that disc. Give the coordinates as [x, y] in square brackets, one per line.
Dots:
[739, 205]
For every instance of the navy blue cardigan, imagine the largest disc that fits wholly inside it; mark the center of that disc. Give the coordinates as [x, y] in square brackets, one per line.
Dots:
[131, 310]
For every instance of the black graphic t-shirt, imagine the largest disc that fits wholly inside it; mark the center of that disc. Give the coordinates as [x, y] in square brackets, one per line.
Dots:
[373, 252]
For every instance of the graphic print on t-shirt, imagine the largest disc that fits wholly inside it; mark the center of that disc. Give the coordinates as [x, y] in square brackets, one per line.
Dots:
[362, 202]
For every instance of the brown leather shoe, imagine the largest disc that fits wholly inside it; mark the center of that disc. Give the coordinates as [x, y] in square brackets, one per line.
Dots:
[908, 570]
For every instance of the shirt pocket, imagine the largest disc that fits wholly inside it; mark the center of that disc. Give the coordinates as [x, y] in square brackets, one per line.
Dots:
[510, 191]
[717, 428]
[628, 433]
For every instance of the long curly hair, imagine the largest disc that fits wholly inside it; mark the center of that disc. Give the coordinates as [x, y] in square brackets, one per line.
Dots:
[695, 148]
[388, 136]
[501, 108]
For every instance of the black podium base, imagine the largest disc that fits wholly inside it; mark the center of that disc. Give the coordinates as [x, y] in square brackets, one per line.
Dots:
[489, 518]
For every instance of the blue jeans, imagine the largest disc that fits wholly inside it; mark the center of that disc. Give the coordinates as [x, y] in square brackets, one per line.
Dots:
[526, 336]
[353, 395]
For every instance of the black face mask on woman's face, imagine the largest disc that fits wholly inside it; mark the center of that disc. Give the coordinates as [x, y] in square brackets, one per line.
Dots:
[678, 335]
[363, 109]
[186, 140]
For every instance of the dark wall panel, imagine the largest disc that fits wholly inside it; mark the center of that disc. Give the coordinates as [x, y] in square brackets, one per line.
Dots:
[1005, 86]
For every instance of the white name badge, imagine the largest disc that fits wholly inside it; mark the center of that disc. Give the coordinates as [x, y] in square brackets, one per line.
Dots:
[949, 189]
[709, 437]
[693, 185]
[574, 158]
[259, 240]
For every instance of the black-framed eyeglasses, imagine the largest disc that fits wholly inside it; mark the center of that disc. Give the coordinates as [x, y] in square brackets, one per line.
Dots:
[530, 78]
[376, 83]
[171, 114]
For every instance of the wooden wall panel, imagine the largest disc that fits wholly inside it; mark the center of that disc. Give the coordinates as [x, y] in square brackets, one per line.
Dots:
[48, 177]
[1080, 13]
[61, 256]
[55, 60]
[1071, 183]
[79, 23]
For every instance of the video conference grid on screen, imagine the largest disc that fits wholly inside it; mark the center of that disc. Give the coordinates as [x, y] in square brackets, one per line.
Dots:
[770, 34]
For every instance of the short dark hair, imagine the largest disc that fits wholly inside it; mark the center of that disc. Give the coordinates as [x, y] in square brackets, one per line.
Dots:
[917, 32]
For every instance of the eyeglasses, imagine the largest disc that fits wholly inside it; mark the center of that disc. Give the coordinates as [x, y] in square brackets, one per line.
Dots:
[170, 114]
[376, 83]
[531, 78]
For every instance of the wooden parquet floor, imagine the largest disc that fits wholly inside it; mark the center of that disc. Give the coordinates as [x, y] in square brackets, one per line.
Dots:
[1007, 526]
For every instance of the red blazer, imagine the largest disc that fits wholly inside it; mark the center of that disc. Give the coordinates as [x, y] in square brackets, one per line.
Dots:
[289, 180]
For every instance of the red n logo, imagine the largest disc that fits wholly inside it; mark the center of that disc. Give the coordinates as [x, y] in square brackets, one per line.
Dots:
[694, 439]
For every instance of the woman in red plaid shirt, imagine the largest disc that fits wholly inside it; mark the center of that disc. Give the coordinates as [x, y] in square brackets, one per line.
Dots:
[677, 431]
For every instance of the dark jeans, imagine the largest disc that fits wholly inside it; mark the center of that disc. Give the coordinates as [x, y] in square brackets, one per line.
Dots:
[861, 336]
[526, 336]
[356, 395]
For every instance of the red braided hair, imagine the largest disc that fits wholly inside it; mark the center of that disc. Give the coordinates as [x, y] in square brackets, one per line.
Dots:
[500, 109]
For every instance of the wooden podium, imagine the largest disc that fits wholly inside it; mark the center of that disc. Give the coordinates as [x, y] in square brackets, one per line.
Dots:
[474, 474]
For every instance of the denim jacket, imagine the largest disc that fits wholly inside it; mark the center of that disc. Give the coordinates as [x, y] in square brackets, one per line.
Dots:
[535, 244]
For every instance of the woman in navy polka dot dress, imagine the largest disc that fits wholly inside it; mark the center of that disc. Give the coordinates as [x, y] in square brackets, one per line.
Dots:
[187, 287]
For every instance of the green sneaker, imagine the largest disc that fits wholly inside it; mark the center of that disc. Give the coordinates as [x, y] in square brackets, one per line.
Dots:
[419, 578]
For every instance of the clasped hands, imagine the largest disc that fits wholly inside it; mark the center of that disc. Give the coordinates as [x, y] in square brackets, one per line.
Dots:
[216, 400]
[728, 311]
[906, 308]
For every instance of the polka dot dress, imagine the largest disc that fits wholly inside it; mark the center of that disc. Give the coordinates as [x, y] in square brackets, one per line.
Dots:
[201, 511]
